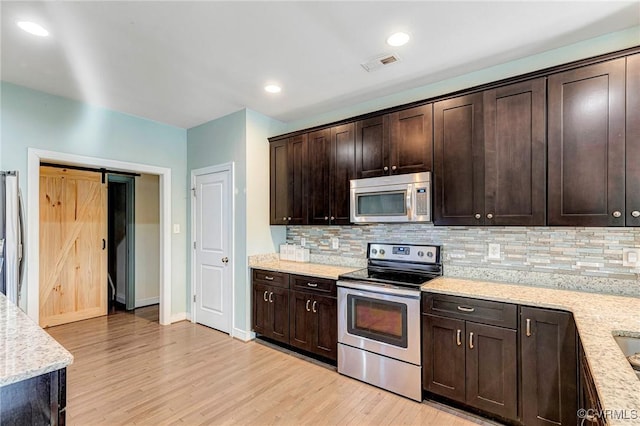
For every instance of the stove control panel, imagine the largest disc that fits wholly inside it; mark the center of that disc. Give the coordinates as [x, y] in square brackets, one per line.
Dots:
[404, 252]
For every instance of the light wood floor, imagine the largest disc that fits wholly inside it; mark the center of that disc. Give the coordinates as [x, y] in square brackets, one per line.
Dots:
[130, 370]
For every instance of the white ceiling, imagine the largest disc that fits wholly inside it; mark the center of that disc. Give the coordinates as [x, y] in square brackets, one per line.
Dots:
[185, 63]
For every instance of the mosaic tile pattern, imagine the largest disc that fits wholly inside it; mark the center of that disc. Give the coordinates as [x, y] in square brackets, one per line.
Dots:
[565, 252]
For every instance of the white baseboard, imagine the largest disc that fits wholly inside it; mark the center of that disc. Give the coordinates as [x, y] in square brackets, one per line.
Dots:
[243, 335]
[180, 316]
[148, 301]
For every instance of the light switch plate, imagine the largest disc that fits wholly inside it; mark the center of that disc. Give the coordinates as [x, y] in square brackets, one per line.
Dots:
[335, 243]
[494, 251]
[303, 241]
[176, 228]
[631, 257]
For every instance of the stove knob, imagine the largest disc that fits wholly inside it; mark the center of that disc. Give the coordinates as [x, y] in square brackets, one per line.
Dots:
[381, 252]
[420, 253]
[374, 251]
[429, 254]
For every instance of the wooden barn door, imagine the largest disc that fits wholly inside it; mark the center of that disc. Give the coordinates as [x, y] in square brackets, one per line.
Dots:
[73, 232]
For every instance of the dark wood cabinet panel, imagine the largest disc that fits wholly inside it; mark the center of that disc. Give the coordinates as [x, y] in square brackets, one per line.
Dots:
[301, 321]
[288, 181]
[515, 154]
[633, 142]
[588, 399]
[586, 146]
[548, 365]
[443, 356]
[411, 140]
[270, 309]
[325, 311]
[279, 182]
[459, 161]
[484, 311]
[319, 199]
[372, 147]
[492, 369]
[343, 169]
[39, 400]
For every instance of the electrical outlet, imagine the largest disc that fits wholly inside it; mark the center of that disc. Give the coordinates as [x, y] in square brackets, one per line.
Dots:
[494, 251]
[335, 243]
[631, 257]
[303, 241]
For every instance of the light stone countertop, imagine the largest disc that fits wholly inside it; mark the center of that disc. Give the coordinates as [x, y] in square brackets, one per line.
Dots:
[26, 350]
[302, 268]
[598, 318]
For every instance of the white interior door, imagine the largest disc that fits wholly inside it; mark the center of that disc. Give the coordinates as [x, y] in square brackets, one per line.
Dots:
[213, 270]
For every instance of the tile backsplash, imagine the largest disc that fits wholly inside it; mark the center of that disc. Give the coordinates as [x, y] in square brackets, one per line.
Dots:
[572, 252]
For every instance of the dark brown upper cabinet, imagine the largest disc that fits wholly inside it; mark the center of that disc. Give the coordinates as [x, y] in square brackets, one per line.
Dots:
[633, 141]
[396, 143]
[490, 152]
[586, 157]
[288, 174]
[331, 167]
[515, 151]
[458, 167]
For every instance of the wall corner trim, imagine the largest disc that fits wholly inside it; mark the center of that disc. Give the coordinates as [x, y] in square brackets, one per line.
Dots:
[243, 335]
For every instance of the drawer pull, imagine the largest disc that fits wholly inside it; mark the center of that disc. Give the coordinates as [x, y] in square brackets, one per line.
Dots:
[313, 307]
[528, 327]
[466, 308]
[268, 278]
[312, 284]
[306, 306]
[459, 337]
[264, 296]
[271, 297]
[471, 340]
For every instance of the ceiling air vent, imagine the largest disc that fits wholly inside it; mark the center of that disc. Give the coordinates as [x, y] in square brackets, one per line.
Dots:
[380, 61]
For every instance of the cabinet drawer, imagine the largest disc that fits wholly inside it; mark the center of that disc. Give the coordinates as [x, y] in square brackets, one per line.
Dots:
[278, 279]
[481, 311]
[319, 285]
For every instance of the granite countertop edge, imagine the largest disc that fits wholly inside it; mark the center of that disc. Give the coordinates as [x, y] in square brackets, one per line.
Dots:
[27, 350]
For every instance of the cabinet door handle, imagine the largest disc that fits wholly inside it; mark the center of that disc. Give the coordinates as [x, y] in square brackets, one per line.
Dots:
[326, 218]
[289, 218]
[264, 296]
[466, 308]
[268, 278]
[306, 306]
[489, 216]
[312, 284]
[616, 214]
[271, 297]
[528, 327]
[313, 307]
[635, 213]
[459, 337]
[385, 168]
[477, 216]
[333, 218]
[284, 218]
[471, 340]
[393, 168]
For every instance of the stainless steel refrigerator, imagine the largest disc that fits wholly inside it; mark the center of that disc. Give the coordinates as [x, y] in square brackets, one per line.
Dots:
[11, 233]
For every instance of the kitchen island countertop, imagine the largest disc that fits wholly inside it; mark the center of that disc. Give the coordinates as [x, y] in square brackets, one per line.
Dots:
[598, 318]
[26, 350]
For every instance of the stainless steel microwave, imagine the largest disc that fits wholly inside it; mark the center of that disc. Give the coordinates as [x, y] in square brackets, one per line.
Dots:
[398, 198]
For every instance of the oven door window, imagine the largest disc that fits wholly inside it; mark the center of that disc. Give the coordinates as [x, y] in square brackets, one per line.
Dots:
[391, 203]
[376, 319]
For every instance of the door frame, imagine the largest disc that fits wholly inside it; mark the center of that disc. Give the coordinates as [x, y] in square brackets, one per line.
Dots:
[34, 157]
[224, 167]
[130, 185]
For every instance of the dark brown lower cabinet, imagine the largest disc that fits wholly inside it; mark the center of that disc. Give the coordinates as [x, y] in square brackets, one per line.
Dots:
[548, 364]
[40, 400]
[313, 323]
[588, 400]
[475, 364]
[271, 312]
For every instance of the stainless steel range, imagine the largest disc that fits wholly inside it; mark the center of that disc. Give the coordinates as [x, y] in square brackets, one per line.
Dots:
[379, 316]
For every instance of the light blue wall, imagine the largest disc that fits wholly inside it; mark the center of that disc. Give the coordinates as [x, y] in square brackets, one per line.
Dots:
[32, 119]
[585, 49]
[241, 137]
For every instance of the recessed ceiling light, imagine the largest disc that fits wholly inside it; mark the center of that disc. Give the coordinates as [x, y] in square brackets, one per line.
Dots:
[33, 28]
[398, 39]
[273, 88]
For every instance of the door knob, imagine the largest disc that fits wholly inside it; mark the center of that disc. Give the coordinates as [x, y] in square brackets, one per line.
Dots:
[225, 260]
